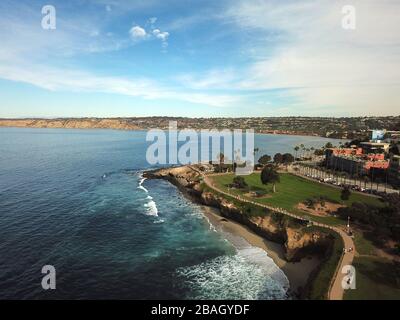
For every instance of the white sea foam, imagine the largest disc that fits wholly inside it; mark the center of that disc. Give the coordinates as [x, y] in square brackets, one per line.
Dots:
[249, 274]
[141, 185]
[232, 277]
[211, 226]
[151, 208]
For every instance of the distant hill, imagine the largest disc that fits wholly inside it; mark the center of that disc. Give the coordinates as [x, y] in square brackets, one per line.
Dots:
[347, 128]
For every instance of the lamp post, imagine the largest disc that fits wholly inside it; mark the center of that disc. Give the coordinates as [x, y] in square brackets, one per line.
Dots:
[348, 225]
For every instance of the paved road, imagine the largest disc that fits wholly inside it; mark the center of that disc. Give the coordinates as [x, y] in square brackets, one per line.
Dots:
[321, 174]
[336, 291]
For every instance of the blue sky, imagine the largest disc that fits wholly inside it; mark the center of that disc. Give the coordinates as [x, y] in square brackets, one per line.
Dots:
[199, 58]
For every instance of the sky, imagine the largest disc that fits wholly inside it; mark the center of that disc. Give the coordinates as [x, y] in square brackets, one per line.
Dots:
[199, 58]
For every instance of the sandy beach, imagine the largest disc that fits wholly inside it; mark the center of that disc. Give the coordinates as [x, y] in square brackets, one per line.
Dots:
[296, 272]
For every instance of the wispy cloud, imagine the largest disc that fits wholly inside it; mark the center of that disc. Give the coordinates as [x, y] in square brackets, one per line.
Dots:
[296, 48]
[320, 64]
[79, 81]
[30, 55]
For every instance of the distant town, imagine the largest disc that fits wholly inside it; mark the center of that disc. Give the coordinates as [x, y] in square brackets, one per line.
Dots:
[373, 150]
[341, 128]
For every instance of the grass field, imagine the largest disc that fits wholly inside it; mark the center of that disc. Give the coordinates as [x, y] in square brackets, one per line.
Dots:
[363, 245]
[291, 191]
[376, 279]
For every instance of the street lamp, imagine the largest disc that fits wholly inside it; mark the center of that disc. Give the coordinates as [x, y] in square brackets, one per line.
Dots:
[348, 225]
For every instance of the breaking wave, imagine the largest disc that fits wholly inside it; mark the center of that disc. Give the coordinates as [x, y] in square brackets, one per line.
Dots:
[141, 185]
[151, 206]
[234, 277]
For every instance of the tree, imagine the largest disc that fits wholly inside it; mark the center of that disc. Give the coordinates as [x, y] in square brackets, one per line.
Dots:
[264, 159]
[319, 152]
[312, 152]
[366, 180]
[296, 149]
[328, 145]
[221, 158]
[278, 158]
[239, 182]
[345, 194]
[270, 175]
[287, 158]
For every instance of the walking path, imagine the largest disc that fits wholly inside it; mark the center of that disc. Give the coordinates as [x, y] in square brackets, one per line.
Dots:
[335, 290]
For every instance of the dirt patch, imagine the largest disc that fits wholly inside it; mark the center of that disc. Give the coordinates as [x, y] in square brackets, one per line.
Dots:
[255, 196]
[322, 211]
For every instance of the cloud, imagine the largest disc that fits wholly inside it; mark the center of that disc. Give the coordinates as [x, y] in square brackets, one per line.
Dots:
[211, 79]
[55, 79]
[137, 33]
[51, 61]
[163, 36]
[301, 47]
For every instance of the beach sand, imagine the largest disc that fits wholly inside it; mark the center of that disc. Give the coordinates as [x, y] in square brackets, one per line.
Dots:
[296, 272]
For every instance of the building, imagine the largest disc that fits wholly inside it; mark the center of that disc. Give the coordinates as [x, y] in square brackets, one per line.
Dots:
[355, 160]
[394, 171]
[375, 147]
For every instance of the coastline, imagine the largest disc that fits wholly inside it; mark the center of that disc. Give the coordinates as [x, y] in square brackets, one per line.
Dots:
[277, 133]
[298, 273]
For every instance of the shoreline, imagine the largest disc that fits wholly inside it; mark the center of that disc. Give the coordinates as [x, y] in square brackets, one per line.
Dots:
[303, 134]
[298, 273]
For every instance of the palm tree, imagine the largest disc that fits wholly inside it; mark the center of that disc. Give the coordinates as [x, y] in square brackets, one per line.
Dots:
[312, 153]
[329, 173]
[366, 180]
[221, 158]
[296, 149]
[270, 175]
[345, 176]
[378, 181]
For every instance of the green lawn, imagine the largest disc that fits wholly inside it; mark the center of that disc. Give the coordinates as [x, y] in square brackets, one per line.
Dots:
[292, 190]
[364, 246]
[320, 284]
[376, 279]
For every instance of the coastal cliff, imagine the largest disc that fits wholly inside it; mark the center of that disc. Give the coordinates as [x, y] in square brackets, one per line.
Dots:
[88, 123]
[298, 240]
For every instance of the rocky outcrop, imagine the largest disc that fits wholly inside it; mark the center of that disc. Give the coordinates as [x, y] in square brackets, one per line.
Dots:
[89, 123]
[291, 233]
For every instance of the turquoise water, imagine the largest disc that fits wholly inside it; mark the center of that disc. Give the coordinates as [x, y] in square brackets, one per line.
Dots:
[76, 199]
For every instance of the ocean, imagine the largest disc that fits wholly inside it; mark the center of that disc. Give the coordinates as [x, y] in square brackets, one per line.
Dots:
[76, 199]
